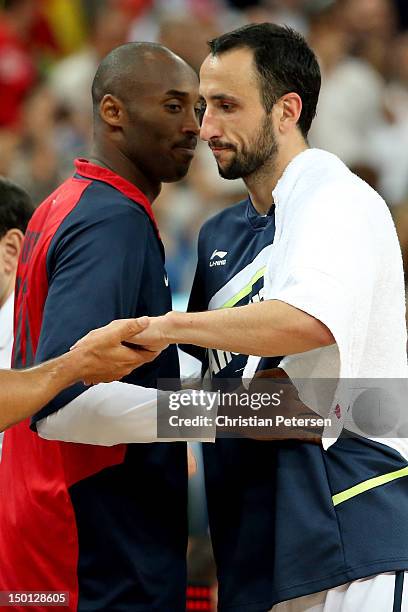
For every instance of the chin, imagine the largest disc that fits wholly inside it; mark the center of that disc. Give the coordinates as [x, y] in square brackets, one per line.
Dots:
[230, 174]
[178, 174]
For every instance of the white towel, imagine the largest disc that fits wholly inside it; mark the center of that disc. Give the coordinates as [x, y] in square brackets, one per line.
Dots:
[336, 256]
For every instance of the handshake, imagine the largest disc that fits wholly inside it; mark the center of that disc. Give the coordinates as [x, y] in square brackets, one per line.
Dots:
[111, 352]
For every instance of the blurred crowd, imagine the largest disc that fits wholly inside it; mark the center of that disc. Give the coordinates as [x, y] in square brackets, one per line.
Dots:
[49, 51]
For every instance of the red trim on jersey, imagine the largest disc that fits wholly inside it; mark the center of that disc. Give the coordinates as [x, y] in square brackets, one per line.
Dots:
[89, 170]
[38, 533]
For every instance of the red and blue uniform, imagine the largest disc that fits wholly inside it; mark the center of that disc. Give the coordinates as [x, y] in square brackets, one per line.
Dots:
[106, 524]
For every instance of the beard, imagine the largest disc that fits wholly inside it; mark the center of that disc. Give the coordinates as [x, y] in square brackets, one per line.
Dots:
[246, 162]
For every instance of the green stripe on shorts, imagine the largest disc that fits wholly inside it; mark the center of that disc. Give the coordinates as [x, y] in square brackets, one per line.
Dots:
[366, 485]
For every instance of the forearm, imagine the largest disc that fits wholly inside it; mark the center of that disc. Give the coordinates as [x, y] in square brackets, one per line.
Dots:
[267, 329]
[115, 413]
[24, 392]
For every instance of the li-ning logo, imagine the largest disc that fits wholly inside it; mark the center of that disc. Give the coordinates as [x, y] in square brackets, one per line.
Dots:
[218, 258]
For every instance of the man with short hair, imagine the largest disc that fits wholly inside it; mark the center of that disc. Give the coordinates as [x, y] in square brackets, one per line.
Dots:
[16, 209]
[107, 525]
[295, 526]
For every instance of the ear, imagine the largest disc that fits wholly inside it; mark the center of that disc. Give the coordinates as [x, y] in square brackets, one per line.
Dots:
[12, 243]
[112, 111]
[290, 109]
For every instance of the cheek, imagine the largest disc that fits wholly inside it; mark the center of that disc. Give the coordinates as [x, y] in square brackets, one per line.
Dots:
[3, 272]
[3, 258]
[157, 142]
[241, 130]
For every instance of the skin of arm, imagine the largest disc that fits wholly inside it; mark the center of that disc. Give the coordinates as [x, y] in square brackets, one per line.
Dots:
[101, 357]
[267, 329]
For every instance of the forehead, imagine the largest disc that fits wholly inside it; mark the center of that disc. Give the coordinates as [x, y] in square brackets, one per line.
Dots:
[232, 72]
[155, 78]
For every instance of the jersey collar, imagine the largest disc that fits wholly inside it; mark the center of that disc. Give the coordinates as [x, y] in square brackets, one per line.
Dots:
[98, 173]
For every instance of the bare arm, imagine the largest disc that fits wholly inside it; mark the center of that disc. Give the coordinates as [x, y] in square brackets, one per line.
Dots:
[101, 357]
[24, 392]
[268, 329]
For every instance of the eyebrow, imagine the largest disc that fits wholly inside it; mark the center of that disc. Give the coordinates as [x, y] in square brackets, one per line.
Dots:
[176, 93]
[223, 96]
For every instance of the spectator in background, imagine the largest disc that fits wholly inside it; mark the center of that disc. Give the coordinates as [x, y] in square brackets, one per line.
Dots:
[350, 103]
[16, 209]
[37, 159]
[18, 71]
[388, 142]
[24, 35]
[372, 24]
[67, 22]
[55, 119]
[71, 78]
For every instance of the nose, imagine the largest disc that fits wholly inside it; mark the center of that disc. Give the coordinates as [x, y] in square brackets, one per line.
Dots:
[209, 128]
[191, 125]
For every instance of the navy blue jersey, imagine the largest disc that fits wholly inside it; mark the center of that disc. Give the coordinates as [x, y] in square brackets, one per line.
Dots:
[107, 525]
[281, 519]
[233, 250]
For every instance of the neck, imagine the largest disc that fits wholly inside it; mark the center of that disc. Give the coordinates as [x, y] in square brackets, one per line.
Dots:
[117, 162]
[261, 183]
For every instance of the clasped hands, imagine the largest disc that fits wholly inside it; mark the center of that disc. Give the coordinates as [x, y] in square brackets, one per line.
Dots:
[159, 333]
[154, 337]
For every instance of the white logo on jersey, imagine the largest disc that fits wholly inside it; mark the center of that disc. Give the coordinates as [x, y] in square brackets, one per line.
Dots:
[221, 258]
[218, 360]
[166, 280]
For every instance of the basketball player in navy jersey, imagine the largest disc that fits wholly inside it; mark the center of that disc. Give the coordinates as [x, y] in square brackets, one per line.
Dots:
[307, 267]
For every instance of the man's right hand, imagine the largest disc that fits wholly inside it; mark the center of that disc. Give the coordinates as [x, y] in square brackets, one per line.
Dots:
[102, 356]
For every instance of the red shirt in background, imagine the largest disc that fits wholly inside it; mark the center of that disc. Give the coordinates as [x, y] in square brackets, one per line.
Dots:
[17, 75]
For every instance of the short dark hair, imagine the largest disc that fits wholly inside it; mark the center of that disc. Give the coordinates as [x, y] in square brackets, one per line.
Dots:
[16, 207]
[284, 62]
[118, 68]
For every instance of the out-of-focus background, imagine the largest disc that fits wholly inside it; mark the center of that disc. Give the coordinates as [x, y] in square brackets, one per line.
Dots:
[49, 51]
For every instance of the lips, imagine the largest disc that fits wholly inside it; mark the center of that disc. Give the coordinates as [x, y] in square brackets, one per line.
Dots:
[187, 145]
[218, 151]
[217, 147]
[186, 151]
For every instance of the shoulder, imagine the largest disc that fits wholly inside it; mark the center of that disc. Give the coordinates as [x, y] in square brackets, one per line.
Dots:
[103, 209]
[103, 199]
[340, 195]
[101, 218]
